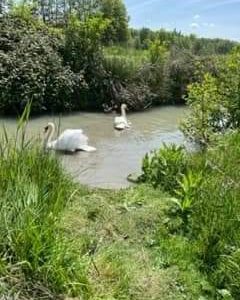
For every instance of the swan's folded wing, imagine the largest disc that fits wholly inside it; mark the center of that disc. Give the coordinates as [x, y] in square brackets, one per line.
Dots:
[70, 139]
[118, 120]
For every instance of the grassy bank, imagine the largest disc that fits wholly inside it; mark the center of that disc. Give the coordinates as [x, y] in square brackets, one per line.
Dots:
[60, 239]
[119, 233]
[35, 259]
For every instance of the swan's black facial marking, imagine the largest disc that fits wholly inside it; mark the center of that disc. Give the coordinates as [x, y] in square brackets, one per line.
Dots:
[46, 129]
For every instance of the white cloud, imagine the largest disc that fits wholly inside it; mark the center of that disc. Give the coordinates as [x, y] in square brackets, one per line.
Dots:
[194, 25]
[196, 17]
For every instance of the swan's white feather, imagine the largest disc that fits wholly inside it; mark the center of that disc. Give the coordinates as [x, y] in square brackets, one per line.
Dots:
[70, 140]
[121, 123]
[87, 148]
[118, 120]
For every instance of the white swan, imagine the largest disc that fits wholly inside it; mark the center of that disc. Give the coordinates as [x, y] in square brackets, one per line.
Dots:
[70, 140]
[121, 122]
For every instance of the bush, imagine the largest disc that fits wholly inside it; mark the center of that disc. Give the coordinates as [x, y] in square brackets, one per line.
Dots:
[164, 167]
[215, 102]
[32, 69]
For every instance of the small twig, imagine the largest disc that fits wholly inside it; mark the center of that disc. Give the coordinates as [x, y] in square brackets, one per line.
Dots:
[95, 266]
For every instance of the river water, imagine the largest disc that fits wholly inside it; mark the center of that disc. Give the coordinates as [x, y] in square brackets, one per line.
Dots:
[118, 153]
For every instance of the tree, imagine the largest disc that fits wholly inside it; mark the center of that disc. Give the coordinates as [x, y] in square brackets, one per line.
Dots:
[83, 53]
[115, 11]
[215, 102]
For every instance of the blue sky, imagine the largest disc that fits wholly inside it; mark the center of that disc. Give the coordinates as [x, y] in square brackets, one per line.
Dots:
[208, 18]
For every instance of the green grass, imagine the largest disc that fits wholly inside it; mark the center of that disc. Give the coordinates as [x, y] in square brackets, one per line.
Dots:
[215, 217]
[35, 259]
[119, 232]
[124, 63]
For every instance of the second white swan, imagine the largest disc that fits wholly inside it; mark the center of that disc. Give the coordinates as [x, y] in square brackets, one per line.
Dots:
[69, 140]
[121, 122]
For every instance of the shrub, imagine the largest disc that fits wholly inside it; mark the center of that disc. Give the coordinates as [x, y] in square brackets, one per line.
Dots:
[32, 69]
[164, 167]
[215, 102]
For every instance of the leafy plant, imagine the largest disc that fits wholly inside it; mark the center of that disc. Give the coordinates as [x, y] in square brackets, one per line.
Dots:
[163, 167]
[188, 186]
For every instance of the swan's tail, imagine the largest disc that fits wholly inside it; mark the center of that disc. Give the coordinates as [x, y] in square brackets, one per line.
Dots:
[120, 126]
[87, 148]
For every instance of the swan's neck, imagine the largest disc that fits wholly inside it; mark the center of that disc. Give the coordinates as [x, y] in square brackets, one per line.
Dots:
[123, 112]
[49, 135]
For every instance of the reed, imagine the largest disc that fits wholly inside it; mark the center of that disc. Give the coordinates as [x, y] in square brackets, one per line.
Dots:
[34, 256]
[124, 63]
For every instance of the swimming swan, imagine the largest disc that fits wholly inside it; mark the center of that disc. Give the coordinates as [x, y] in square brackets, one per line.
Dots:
[70, 140]
[121, 122]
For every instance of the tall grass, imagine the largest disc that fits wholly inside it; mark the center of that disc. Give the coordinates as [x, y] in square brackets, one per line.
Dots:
[215, 219]
[124, 63]
[34, 190]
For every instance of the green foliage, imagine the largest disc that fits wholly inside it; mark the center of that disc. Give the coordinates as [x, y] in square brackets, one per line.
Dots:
[35, 257]
[164, 167]
[188, 185]
[228, 273]
[115, 11]
[32, 69]
[82, 43]
[24, 12]
[157, 77]
[124, 63]
[143, 37]
[83, 53]
[203, 208]
[229, 84]
[215, 102]
[55, 52]
[158, 52]
[187, 189]
[120, 230]
[205, 108]
[214, 219]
